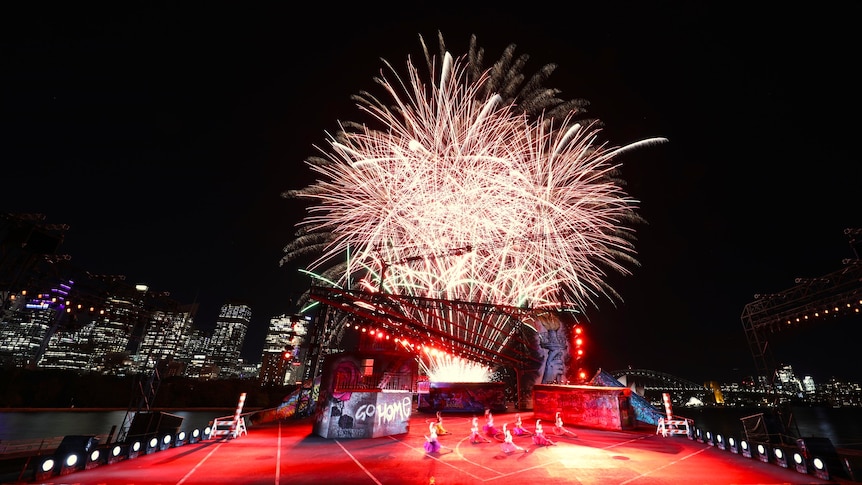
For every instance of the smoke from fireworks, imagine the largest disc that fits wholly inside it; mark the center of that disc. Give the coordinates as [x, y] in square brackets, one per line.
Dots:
[448, 194]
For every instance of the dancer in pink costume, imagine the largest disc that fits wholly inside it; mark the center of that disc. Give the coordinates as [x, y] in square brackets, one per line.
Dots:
[518, 428]
[432, 445]
[475, 436]
[561, 430]
[508, 445]
[489, 428]
[539, 437]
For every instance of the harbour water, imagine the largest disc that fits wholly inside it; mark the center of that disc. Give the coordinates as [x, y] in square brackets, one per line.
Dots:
[843, 426]
[41, 424]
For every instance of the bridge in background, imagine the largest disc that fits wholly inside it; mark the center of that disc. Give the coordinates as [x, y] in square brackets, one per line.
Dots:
[645, 381]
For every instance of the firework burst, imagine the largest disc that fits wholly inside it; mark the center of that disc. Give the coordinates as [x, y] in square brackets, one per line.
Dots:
[446, 194]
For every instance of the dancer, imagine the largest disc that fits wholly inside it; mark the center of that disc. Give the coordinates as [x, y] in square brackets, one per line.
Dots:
[489, 428]
[539, 437]
[475, 436]
[439, 425]
[508, 445]
[432, 445]
[518, 428]
[559, 429]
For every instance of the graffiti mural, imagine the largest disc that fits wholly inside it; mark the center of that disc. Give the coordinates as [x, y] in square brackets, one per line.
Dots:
[464, 397]
[365, 394]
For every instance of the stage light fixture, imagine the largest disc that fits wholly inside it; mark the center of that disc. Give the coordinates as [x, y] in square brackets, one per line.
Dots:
[733, 444]
[195, 436]
[780, 457]
[746, 449]
[719, 441]
[116, 454]
[152, 445]
[799, 462]
[135, 449]
[166, 442]
[69, 464]
[821, 471]
[45, 468]
[181, 439]
[762, 453]
[94, 459]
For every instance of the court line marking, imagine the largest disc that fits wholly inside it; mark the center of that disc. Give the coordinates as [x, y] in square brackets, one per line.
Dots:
[198, 465]
[367, 472]
[642, 475]
[278, 456]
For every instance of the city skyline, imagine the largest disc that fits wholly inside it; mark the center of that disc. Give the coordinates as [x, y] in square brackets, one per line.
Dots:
[165, 141]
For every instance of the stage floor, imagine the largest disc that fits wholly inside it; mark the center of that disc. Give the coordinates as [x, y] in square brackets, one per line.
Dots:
[288, 453]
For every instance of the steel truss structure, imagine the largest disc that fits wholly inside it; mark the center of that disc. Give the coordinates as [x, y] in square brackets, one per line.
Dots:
[835, 294]
[492, 335]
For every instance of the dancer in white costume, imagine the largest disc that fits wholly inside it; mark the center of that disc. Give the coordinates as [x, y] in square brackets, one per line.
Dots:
[539, 437]
[518, 428]
[432, 444]
[508, 445]
[475, 436]
[561, 430]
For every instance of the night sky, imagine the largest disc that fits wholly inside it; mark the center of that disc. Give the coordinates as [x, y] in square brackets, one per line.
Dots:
[164, 137]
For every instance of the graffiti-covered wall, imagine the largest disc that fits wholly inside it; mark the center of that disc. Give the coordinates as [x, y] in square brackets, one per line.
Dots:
[365, 395]
[587, 406]
[464, 397]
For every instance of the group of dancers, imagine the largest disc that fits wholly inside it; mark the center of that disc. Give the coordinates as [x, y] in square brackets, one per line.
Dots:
[435, 429]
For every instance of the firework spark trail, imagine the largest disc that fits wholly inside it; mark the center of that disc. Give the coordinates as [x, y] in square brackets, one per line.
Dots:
[535, 200]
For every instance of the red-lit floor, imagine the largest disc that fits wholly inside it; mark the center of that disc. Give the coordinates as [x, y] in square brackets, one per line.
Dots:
[288, 453]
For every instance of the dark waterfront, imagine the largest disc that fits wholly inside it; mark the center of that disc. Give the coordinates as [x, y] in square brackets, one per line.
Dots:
[40, 424]
[843, 426]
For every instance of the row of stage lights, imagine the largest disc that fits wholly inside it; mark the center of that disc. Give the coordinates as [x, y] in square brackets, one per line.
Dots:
[578, 340]
[802, 459]
[406, 344]
[380, 334]
[835, 311]
[85, 454]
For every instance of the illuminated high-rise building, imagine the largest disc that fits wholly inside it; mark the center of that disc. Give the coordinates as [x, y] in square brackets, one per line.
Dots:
[68, 350]
[281, 360]
[111, 335]
[165, 337]
[228, 338]
[23, 332]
